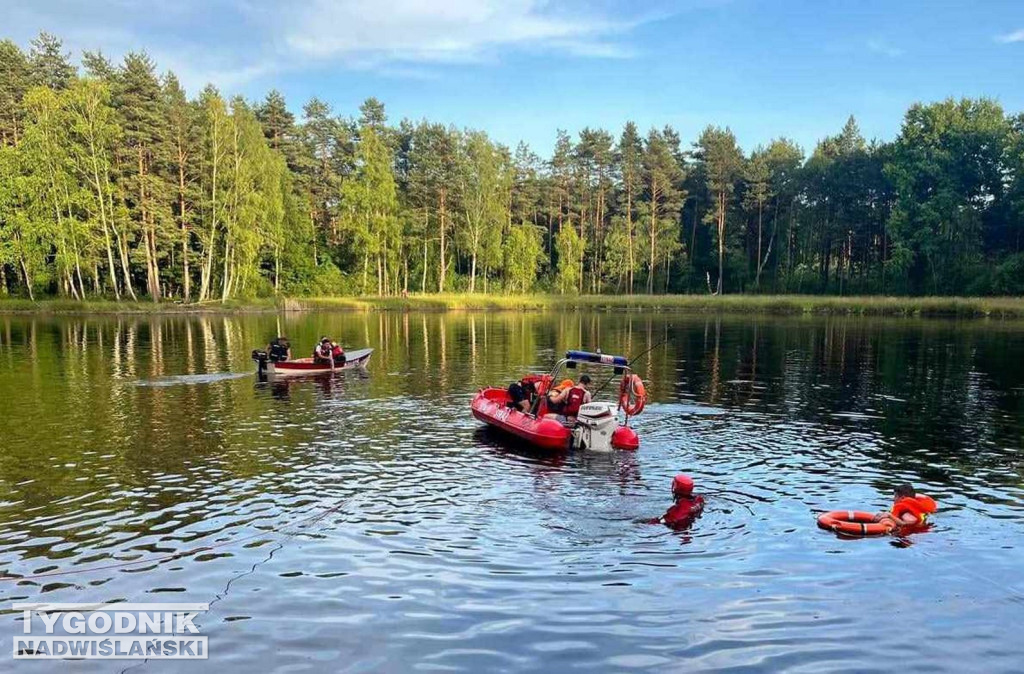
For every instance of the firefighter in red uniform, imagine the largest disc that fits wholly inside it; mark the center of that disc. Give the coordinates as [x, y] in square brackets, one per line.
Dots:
[687, 507]
[576, 397]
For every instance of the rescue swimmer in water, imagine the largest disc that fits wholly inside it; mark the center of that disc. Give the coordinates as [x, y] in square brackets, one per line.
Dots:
[687, 506]
[909, 513]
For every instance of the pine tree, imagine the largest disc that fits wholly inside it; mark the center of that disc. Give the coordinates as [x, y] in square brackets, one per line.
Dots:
[278, 123]
[560, 167]
[139, 102]
[785, 159]
[630, 154]
[14, 82]
[433, 169]
[183, 143]
[596, 154]
[98, 66]
[723, 163]
[757, 175]
[662, 200]
[49, 66]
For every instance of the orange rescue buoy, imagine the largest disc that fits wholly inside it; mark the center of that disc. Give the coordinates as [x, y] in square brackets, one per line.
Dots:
[854, 523]
[632, 395]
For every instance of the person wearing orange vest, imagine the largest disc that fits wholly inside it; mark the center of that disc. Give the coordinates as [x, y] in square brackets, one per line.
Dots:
[909, 509]
[565, 400]
[557, 395]
[338, 354]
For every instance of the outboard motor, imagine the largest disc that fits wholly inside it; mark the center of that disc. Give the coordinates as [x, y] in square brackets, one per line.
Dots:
[261, 359]
[595, 424]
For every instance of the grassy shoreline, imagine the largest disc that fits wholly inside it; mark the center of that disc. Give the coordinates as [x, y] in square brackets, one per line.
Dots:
[782, 305]
[71, 307]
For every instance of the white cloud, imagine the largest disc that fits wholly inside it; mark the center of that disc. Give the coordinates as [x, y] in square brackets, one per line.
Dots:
[1015, 36]
[232, 42]
[884, 48]
[446, 31]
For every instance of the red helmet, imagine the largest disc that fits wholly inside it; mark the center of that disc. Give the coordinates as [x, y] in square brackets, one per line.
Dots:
[682, 484]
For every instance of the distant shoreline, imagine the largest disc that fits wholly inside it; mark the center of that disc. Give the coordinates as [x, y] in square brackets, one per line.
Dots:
[782, 305]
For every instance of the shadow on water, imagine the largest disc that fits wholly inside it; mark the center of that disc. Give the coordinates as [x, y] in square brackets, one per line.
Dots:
[128, 439]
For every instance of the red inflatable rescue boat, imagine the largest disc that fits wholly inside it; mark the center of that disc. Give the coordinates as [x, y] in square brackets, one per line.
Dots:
[595, 425]
[491, 407]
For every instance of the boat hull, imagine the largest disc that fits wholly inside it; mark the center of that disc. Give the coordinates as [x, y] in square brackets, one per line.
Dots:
[490, 406]
[305, 366]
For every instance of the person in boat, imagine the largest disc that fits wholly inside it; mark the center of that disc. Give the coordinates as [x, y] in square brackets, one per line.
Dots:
[565, 404]
[687, 507]
[337, 354]
[279, 350]
[578, 396]
[557, 395]
[520, 395]
[909, 509]
[323, 352]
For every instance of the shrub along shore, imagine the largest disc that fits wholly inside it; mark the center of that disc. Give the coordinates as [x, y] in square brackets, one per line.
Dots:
[949, 307]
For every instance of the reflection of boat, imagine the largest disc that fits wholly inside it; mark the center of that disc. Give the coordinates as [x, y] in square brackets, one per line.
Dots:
[306, 366]
[596, 426]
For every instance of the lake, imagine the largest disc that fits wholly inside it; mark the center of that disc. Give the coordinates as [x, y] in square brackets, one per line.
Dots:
[367, 522]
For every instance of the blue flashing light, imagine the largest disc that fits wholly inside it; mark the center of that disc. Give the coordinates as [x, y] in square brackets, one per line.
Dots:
[601, 358]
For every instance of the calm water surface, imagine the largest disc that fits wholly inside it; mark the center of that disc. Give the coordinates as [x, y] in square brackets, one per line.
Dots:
[450, 549]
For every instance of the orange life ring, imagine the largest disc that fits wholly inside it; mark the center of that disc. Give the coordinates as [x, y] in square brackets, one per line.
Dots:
[854, 523]
[632, 395]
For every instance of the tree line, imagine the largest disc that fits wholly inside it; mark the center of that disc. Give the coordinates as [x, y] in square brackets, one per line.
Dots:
[115, 183]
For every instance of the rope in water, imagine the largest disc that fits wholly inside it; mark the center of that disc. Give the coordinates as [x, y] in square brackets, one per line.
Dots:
[306, 521]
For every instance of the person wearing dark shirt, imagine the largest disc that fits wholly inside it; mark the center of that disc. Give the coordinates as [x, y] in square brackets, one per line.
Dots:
[322, 352]
[279, 350]
[520, 395]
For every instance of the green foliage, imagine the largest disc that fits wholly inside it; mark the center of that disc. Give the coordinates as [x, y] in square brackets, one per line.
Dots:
[722, 166]
[661, 200]
[485, 179]
[14, 82]
[49, 65]
[114, 183]
[570, 250]
[523, 253]
[947, 172]
[370, 204]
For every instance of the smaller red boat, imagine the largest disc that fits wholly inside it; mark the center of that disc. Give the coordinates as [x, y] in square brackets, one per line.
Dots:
[307, 366]
[596, 426]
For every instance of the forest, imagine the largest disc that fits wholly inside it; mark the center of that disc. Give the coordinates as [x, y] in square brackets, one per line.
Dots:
[116, 184]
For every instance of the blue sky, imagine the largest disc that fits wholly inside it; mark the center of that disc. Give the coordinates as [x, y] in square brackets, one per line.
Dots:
[519, 69]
